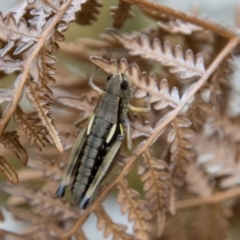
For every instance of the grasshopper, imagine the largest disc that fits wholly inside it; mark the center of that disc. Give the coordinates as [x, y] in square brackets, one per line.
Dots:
[97, 145]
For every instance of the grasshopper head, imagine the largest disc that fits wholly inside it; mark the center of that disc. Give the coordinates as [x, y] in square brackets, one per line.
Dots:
[119, 85]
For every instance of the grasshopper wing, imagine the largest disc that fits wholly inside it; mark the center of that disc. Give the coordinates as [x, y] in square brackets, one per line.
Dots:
[102, 171]
[73, 161]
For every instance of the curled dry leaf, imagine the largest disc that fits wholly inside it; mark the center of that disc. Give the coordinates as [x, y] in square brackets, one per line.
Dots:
[8, 171]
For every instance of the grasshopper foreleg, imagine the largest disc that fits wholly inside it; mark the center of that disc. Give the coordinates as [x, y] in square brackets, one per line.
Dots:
[139, 109]
[81, 120]
[73, 160]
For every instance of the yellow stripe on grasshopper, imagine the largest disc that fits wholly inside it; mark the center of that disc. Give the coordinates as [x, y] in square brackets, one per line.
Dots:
[90, 124]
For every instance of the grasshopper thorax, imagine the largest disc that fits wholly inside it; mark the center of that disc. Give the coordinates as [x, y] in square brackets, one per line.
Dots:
[119, 85]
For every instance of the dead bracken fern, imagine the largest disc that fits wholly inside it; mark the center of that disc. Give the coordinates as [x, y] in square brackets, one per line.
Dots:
[187, 147]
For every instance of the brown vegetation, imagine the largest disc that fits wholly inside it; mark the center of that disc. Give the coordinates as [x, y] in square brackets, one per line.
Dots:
[188, 144]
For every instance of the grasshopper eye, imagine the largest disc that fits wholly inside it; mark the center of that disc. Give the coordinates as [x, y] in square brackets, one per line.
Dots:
[109, 77]
[124, 85]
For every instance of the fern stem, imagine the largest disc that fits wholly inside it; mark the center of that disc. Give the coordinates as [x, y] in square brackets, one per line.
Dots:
[216, 198]
[206, 24]
[160, 126]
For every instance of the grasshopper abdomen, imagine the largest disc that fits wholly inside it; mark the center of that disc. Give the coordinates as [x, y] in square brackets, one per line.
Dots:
[96, 146]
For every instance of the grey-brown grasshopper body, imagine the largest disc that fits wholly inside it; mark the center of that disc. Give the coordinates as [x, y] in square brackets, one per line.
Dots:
[95, 150]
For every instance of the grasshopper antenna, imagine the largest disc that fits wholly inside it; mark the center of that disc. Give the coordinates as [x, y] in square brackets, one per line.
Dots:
[114, 59]
[131, 65]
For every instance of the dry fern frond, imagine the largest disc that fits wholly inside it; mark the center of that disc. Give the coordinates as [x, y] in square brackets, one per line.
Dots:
[222, 127]
[110, 228]
[157, 187]
[88, 14]
[6, 95]
[198, 181]
[9, 65]
[30, 124]
[19, 41]
[218, 159]
[181, 148]
[160, 93]
[84, 103]
[121, 13]
[178, 26]
[176, 222]
[8, 171]
[43, 201]
[29, 38]
[129, 199]
[34, 227]
[145, 84]
[140, 128]
[49, 168]
[186, 65]
[11, 142]
[198, 109]
[69, 15]
[45, 65]
[40, 100]
[211, 222]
